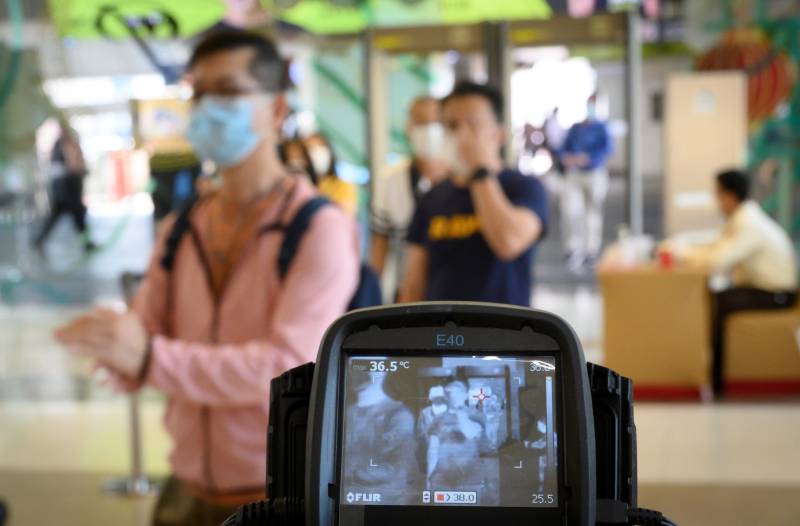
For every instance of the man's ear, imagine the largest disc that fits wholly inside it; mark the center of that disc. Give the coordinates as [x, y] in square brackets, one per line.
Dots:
[280, 111]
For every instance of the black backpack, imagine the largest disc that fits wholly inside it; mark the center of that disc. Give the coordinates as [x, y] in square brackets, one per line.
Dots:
[368, 292]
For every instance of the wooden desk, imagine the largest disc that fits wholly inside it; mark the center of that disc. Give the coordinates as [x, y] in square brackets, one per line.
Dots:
[657, 329]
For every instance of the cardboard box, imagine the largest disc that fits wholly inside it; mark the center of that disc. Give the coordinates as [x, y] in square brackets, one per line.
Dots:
[761, 348]
[657, 327]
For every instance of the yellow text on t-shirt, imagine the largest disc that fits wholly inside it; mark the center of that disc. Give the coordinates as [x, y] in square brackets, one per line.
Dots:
[459, 226]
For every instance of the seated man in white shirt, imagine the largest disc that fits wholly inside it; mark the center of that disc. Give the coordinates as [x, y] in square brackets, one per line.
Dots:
[757, 254]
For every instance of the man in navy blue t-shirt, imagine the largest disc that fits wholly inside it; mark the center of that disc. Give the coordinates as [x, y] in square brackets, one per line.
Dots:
[474, 236]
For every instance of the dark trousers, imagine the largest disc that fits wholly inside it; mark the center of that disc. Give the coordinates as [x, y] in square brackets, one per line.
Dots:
[737, 300]
[67, 198]
[178, 507]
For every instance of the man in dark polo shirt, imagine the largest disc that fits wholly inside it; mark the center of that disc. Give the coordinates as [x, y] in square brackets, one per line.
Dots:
[473, 237]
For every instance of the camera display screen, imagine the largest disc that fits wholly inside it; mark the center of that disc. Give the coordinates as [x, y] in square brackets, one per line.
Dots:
[457, 430]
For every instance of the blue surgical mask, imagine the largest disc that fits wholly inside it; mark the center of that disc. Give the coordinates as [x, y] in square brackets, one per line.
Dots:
[221, 130]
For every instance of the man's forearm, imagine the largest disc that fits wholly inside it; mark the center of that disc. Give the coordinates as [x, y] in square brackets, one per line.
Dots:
[219, 375]
[509, 230]
[416, 275]
[408, 294]
[379, 249]
[720, 256]
[432, 455]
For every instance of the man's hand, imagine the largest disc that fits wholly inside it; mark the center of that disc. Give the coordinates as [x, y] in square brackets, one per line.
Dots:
[479, 148]
[468, 428]
[116, 340]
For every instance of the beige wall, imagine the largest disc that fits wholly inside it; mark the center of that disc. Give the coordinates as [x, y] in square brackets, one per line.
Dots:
[705, 132]
[655, 72]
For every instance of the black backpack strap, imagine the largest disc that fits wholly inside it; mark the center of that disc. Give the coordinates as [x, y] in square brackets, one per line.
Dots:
[179, 228]
[295, 230]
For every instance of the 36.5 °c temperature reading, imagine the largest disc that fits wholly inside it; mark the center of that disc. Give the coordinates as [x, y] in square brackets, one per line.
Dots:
[382, 366]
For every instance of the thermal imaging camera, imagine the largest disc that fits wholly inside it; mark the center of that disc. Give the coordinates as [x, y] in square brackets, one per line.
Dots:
[450, 413]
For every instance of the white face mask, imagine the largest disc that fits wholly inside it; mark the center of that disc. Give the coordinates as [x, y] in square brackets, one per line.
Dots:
[321, 159]
[459, 170]
[427, 141]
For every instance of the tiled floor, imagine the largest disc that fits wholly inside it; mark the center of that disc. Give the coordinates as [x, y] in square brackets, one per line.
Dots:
[722, 444]
[724, 505]
[704, 465]
[62, 434]
[691, 443]
[75, 499]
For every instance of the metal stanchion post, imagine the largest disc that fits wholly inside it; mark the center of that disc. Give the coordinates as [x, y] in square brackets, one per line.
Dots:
[136, 484]
[633, 82]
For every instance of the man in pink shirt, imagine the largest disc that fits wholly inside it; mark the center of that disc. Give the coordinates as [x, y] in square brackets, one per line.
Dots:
[213, 328]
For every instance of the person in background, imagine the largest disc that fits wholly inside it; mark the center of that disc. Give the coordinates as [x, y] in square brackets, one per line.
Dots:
[473, 237]
[379, 433]
[427, 449]
[214, 321]
[455, 439]
[67, 171]
[755, 251]
[323, 171]
[584, 156]
[554, 137]
[399, 192]
[294, 155]
[176, 178]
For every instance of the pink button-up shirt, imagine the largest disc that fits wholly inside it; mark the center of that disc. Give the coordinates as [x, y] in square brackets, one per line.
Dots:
[214, 359]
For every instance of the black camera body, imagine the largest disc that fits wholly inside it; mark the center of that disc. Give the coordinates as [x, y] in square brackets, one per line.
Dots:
[440, 413]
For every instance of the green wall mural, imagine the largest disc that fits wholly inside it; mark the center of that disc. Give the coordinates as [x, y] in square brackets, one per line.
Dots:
[79, 18]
